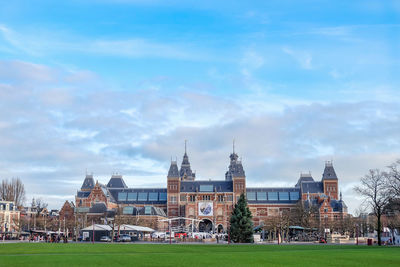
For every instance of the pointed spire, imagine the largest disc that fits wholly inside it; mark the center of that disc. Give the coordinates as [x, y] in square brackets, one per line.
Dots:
[233, 146]
[185, 145]
[340, 195]
[185, 172]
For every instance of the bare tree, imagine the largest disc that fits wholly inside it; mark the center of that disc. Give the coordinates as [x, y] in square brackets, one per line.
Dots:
[374, 190]
[394, 178]
[40, 204]
[13, 190]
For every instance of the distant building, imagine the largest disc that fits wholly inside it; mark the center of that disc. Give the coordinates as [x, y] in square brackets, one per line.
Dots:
[67, 211]
[9, 217]
[212, 201]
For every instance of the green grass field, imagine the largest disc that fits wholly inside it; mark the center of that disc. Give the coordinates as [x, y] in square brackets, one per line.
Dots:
[39, 254]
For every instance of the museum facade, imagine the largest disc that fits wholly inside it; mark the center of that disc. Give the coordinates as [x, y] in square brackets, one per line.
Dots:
[209, 203]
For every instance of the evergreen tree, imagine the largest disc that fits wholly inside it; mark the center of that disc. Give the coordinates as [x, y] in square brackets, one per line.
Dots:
[241, 228]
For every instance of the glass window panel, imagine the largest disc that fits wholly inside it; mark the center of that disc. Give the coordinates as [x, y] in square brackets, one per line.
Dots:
[153, 196]
[163, 196]
[147, 210]
[283, 195]
[261, 195]
[142, 197]
[294, 196]
[127, 210]
[272, 195]
[251, 195]
[132, 196]
[122, 196]
[206, 188]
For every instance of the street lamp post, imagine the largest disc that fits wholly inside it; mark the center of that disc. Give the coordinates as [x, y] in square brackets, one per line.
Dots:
[357, 234]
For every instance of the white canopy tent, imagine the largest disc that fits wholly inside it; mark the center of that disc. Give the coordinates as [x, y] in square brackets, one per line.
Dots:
[137, 228]
[98, 227]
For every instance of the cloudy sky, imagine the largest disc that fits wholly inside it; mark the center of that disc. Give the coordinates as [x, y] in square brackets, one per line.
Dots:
[117, 86]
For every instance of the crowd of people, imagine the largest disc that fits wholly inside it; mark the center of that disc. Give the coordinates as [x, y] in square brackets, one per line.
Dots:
[54, 238]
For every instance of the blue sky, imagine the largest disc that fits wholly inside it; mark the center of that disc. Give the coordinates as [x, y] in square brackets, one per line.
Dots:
[118, 85]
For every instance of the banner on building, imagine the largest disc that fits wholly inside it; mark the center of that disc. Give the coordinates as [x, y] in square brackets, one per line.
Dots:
[205, 209]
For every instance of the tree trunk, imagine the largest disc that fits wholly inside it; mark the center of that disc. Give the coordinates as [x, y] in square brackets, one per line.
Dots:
[379, 229]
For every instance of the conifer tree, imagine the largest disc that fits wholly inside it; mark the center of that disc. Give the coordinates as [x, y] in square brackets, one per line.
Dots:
[241, 224]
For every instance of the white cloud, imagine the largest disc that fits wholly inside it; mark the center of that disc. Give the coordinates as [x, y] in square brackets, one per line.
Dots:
[135, 47]
[303, 58]
[136, 133]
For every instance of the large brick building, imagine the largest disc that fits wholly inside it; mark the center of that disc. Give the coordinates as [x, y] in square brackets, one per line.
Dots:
[211, 201]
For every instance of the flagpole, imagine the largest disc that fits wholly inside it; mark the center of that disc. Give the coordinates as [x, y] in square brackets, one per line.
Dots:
[93, 232]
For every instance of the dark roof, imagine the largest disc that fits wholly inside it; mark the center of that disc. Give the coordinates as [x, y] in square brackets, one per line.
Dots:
[235, 168]
[304, 178]
[312, 187]
[173, 170]
[83, 194]
[217, 186]
[116, 181]
[338, 205]
[329, 172]
[88, 183]
[98, 208]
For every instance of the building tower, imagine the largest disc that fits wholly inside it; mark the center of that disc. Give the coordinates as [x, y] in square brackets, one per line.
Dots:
[330, 181]
[173, 187]
[236, 174]
[185, 172]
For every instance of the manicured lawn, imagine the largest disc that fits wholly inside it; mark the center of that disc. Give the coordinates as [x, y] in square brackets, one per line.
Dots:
[39, 254]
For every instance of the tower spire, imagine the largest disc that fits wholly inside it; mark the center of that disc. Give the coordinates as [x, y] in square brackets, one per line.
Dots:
[233, 145]
[185, 145]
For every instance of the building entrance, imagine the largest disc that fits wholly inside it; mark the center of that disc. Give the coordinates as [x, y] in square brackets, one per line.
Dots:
[206, 226]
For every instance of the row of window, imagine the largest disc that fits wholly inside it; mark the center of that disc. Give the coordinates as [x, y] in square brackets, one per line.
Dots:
[192, 198]
[206, 188]
[162, 196]
[129, 210]
[273, 196]
[142, 196]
